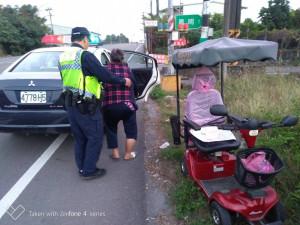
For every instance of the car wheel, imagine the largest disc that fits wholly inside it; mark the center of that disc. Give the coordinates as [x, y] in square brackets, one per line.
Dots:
[183, 167]
[219, 214]
[276, 213]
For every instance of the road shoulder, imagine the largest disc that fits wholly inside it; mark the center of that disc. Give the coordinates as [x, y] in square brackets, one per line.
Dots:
[160, 173]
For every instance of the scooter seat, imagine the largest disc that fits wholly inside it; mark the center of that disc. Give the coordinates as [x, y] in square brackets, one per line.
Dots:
[211, 147]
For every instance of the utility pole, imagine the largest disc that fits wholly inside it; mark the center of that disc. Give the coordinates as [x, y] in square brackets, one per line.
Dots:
[226, 18]
[50, 15]
[266, 32]
[235, 18]
[223, 69]
[145, 35]
[205, 16]
[157, 9]
[170, 42]
[231, 24]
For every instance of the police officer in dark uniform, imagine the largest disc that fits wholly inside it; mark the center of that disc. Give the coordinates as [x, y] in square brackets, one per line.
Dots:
[82, 75]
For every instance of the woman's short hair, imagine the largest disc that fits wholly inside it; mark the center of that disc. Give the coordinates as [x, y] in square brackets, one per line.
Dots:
[117, 55]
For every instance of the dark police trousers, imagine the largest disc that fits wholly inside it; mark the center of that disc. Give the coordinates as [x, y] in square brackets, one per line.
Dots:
[87, 130]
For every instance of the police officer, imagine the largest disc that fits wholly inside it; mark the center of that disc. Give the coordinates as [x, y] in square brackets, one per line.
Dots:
[81, 76]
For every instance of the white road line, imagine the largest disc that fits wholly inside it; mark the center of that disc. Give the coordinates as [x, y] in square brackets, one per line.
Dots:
[135, 51]
[18, 188]
[138, 47]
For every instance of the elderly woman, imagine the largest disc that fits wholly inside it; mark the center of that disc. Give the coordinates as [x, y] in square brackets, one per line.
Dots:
[119, 104]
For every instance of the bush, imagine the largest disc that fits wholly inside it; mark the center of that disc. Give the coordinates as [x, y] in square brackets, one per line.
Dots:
[158, 93]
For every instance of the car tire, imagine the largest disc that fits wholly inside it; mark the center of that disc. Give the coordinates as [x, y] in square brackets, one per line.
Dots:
[219, 214]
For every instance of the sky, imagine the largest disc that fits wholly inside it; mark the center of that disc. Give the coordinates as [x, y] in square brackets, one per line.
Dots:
[125, 16]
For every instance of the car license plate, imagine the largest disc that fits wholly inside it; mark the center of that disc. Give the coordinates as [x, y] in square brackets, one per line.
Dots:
[33, 96]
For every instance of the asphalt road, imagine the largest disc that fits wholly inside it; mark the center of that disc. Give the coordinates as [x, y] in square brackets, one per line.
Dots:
[137, 47]
[39, 181]
[6, 61]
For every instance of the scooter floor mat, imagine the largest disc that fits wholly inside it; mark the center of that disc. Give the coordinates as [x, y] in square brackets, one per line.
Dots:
[223, 185]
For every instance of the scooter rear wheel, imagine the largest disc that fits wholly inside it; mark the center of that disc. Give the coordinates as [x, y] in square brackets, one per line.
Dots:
[276, 213]
[219, 214]
[183, 167]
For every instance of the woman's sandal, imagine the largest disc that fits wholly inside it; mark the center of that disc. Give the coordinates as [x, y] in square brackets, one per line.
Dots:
[133, 154]
[113, 158]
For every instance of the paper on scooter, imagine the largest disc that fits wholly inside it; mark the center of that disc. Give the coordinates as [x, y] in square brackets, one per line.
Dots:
[212, 134]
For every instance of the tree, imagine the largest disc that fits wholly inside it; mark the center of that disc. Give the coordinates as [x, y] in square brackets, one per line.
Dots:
[8, 35]
[216, 21]
[28, 30]
[295, 19]
[123, 38]
[277, 15]
[112, 39]
[193, 37]
[159, 39]
[32, 27]
[250, 29]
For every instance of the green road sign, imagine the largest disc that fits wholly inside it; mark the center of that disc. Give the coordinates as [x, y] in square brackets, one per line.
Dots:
[194, 21]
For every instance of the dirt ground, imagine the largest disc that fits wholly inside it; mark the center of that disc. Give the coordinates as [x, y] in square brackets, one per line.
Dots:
[162, 171]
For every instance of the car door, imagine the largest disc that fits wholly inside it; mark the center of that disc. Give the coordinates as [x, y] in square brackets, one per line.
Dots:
[101, 54]
[145, 70]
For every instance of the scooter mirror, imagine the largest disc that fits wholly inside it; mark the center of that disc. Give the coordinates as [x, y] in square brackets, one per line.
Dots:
[289, 121]
[218, 110]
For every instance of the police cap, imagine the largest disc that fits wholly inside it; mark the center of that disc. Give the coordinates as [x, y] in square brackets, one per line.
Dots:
[80, 30]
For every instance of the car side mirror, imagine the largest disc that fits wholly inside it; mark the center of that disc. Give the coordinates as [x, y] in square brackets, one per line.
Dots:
[218, 110]
[289, 121]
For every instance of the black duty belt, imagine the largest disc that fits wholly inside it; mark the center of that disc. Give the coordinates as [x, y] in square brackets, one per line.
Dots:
[84, 105]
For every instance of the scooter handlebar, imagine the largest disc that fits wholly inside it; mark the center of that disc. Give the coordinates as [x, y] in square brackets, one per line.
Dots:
[267, 125]
[248, 123]
[227, 126]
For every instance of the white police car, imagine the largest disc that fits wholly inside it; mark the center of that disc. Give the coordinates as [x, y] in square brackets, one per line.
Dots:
[31, 87]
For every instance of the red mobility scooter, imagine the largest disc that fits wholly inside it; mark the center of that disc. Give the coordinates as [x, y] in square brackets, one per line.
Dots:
[233, 190]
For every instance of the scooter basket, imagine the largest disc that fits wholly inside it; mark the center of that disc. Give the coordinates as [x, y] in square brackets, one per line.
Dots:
[253, 179]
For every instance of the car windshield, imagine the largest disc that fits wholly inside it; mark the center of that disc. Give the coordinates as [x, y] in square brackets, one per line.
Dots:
[39, 62]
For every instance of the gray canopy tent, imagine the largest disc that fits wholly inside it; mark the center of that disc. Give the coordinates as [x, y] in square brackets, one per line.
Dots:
[213, 52]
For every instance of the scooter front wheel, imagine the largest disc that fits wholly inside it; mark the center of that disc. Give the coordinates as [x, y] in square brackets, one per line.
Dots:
[276, 213]
[183, 167]
[219, 214]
